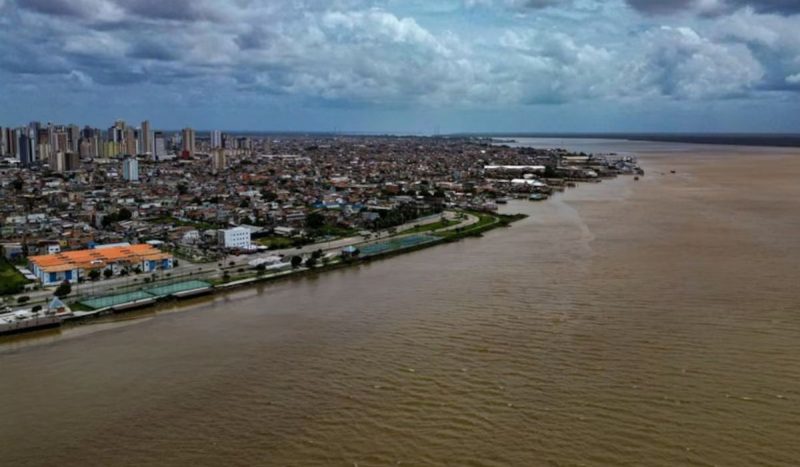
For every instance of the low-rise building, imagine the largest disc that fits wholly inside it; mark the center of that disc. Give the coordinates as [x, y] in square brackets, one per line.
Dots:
[235, 238]
[73, 265]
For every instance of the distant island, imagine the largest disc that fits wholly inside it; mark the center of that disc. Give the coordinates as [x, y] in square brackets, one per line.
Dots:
[734, 139]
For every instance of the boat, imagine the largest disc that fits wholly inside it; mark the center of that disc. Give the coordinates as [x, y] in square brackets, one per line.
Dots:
[501, 200]
[27, 320]
[537, 197]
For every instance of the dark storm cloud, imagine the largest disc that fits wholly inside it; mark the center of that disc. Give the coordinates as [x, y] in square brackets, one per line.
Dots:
[152, 50]
[180, 10]
[54, 7]
[785, 7]
[542, 3]
[170, 10]
[660, 6]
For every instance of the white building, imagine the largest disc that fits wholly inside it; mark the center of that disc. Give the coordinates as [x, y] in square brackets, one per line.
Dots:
[130, 170]
[236, 238]
[516, 168]
[216, 139]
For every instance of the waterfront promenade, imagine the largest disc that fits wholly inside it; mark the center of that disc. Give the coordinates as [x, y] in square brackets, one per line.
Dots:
[236, 265]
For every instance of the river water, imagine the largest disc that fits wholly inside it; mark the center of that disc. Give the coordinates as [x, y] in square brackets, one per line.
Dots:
[623, 323]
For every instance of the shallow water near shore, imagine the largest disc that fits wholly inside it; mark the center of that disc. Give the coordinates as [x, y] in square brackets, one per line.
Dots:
[623, 323]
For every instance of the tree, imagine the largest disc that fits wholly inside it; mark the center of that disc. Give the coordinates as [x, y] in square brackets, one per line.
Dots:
[94, 274]
[183, 188]
[311, 262]
[268, 196]
[315, 220]
[37, 308]
[261, 268]
[124, 214]
[296, 261]
[17, 184]
[63, 290]
[108, 273]
[23, 299]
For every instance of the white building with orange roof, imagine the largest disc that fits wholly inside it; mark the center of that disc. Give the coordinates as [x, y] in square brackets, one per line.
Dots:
[73, 265]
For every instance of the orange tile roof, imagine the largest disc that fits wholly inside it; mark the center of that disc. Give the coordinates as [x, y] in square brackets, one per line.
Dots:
[98, 258]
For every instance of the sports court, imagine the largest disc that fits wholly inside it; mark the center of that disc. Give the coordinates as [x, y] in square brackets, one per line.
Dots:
[153, 293]
[396, 244]
[167, 290]
[115, 300]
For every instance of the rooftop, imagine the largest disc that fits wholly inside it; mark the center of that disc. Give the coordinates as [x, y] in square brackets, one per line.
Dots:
[97, 258]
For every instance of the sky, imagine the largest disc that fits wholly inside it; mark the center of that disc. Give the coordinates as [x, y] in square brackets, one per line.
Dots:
[404, 66]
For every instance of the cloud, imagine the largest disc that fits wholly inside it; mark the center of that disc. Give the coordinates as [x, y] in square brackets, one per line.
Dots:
[115, 10]
[378, 54]
[79, 9]
[518, 4]
[679, 62]
[714, 7]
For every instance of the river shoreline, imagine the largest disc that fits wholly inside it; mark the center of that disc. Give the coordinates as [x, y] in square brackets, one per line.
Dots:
[90, 316]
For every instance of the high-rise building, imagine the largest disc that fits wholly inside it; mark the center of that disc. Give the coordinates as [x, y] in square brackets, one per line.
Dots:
[45, 151]
[61, 162]
[110, 149]
[159, 145]
[146, 139]
[187, 137]
[86, 149]
[245, 143]
[130, 169]
[33, 132]
[129, 142]
[117, 132]
[74, 137]
[219, 161]
[229, 142]
[3, 142]
[216, 139]
[61, 141]
[24, 148]
[91, 140]
[58, 162]
[12, 148]
[72, 161]
[10, 142]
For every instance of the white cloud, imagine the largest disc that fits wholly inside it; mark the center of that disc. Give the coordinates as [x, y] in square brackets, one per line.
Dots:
[680, 62]
[367, 52]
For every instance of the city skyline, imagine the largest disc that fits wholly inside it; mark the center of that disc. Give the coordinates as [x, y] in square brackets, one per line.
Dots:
[412, 67]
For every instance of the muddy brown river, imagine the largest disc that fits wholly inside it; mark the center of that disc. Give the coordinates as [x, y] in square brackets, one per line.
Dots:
[623, 323]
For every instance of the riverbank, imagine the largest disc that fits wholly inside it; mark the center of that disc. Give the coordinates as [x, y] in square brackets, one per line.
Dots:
[473, 224]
